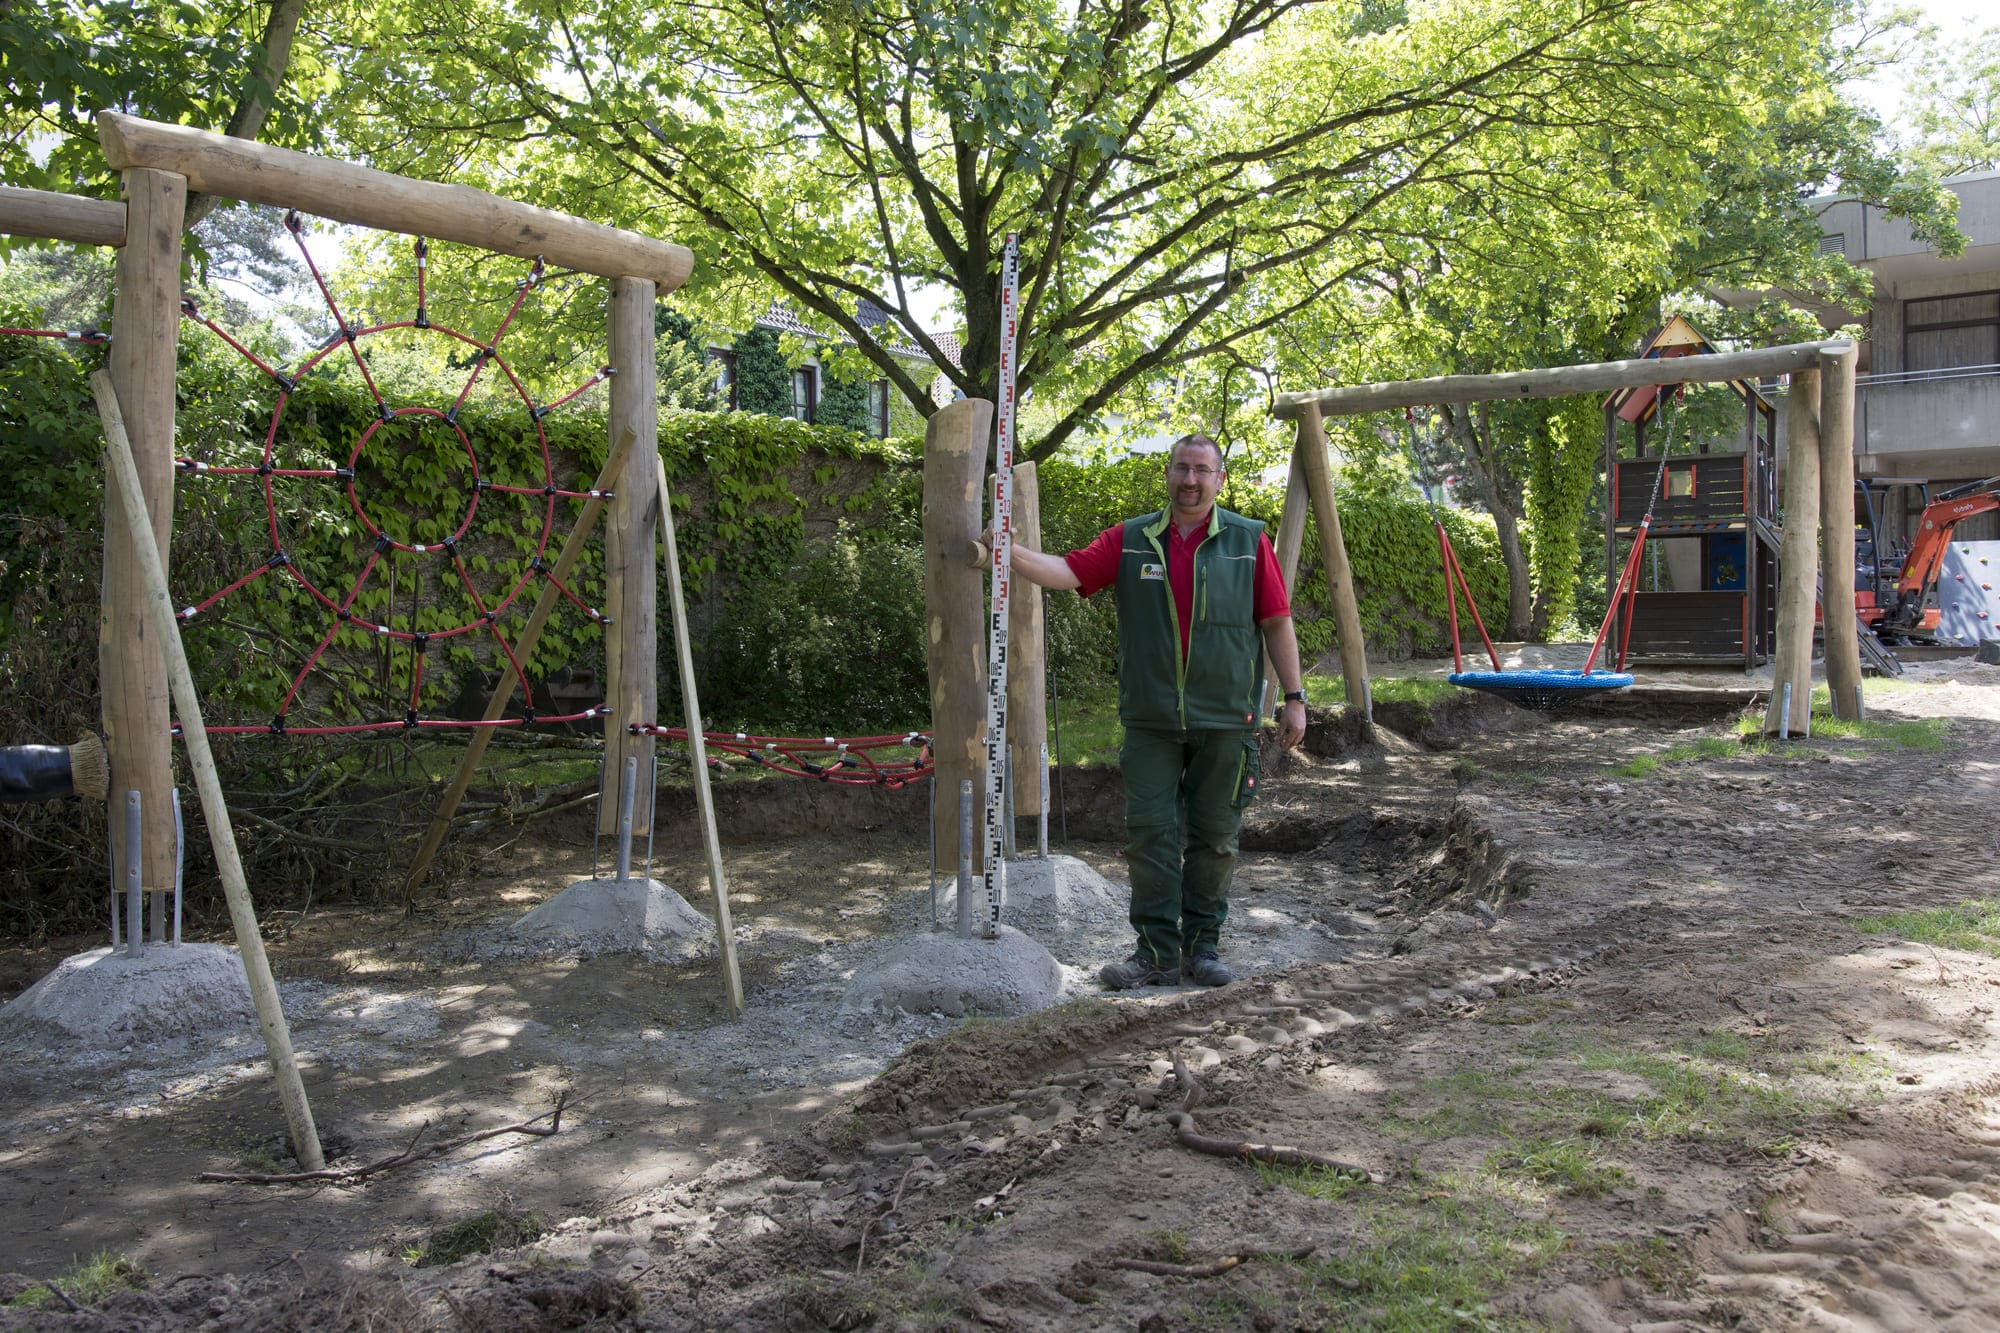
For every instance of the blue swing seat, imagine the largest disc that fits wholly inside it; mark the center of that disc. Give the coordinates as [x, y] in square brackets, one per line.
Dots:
[1541, 691]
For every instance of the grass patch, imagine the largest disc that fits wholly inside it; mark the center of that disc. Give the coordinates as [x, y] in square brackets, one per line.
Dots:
[102, 1275]
[1694, 1097]
[1655, 1261]
[1911, 733]
[1708, 747]
[1972, 926]
[1471, 1101]
[1422, 690]
[1566, 1166]
[1092, 733]
[912, 1296]
[1315, 1182]
[1434, 1256]
[501, 1227]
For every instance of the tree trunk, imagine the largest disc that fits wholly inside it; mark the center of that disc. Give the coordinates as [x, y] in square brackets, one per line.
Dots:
[1503, 498]
[274, 58]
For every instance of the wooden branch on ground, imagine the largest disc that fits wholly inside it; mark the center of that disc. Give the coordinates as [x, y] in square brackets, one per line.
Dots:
[1190, 1136]
[354, 1175]
[861, 1255]
[1215, 1267]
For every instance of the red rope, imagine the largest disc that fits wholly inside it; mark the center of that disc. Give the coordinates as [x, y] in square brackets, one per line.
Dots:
[1454, 581]
[93, 337]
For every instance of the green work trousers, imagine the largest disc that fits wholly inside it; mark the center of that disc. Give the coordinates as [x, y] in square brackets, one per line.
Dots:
[1184, 797]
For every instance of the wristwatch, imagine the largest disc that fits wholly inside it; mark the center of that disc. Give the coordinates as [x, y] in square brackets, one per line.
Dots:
[1295, 696]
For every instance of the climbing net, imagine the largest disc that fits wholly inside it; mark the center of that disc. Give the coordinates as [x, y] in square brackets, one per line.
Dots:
[890, 761]
[853, 760]
[383, 537]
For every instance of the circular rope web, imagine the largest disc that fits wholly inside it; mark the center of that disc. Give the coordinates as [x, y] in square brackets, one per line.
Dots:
[850, 761]
[338, 604]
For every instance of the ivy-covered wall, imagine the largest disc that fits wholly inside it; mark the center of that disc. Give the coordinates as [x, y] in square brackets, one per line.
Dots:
[763, 380]
[844, 403]
[1390, 542]
[782, 525]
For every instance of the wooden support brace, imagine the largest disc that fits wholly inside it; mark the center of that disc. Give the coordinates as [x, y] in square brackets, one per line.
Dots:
[1557, 382]
[123, 476]
[1311, 446]
[704, 799]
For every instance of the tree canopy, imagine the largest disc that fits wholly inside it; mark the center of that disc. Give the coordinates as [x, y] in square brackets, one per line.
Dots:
[1206, 190]
[1955, 101]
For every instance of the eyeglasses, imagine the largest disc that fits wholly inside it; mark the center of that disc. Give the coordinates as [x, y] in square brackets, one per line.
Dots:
[1184, 470]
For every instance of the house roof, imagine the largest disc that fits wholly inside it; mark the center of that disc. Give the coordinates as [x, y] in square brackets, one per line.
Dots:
[781, 318]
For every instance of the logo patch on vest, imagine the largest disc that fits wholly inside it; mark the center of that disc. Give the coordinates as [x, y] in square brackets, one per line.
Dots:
[1152, 571]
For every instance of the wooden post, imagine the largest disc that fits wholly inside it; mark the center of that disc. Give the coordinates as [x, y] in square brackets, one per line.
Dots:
[145, 327]
[704, 800]
[1798, 563]
[122, 477]
[1836, 505]
[1027, 667]
[631, 649]
[524, 645]
[955, 441]
[1311, 447]
[1291, 540]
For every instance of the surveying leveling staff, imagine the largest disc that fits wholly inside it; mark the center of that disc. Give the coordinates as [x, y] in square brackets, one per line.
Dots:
[1196, 586]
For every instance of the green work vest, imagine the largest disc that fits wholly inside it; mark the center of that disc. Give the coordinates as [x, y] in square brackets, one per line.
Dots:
[1216, 687]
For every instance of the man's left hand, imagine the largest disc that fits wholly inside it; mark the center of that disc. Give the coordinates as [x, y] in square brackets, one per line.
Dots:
[1291, 723]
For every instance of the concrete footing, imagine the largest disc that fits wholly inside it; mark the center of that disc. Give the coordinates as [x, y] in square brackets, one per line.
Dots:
[941, 973]
[1061, 892]
[615, 915]
[105, 999]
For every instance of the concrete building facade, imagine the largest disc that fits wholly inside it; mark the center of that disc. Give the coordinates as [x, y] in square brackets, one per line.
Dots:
[1928, 396]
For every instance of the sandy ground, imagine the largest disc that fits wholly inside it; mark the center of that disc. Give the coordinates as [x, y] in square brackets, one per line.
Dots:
[1622, 1031]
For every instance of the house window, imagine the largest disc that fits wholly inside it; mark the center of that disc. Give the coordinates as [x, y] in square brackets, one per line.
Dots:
[724, 363]
[805, 393]
[878, 407]
[1944, 332]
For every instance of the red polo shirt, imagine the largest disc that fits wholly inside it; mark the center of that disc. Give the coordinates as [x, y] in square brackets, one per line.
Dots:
[1096, 567]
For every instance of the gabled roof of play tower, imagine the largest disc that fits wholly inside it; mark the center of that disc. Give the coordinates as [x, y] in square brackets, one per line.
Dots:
[1677, 337]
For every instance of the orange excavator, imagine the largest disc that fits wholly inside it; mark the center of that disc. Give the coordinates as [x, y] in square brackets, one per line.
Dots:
[1893, 592]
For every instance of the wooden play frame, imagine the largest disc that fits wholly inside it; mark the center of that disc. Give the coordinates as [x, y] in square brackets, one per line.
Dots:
[140, 661]
[1820, 433]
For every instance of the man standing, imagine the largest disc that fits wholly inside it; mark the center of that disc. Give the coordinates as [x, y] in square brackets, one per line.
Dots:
[1197, 586]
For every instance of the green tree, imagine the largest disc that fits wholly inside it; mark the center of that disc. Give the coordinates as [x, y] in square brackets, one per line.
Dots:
[1185, 176]
[1954, 96]
[1582, 273]
[192, 63]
